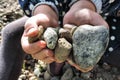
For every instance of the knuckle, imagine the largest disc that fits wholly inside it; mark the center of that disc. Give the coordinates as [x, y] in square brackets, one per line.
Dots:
[26, 49]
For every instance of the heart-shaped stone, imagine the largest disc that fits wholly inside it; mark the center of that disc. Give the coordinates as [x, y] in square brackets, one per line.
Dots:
[89, 44]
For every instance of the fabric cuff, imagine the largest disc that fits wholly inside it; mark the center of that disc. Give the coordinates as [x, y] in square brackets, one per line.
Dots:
[98, 5]
[72, 2]
[52, 5]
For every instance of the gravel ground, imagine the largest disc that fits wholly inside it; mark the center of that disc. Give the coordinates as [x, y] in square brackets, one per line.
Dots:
[37, 70]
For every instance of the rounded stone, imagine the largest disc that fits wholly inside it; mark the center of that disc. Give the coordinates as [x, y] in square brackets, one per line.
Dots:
[62, 50]
[89, 44]
[51, 37]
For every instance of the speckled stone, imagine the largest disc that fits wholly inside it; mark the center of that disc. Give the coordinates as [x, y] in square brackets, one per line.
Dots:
[50, 37]
[89, 44]
[62, 50]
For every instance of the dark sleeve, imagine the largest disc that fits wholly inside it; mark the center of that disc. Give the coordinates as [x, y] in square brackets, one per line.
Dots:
[111, 8]
[29, 5]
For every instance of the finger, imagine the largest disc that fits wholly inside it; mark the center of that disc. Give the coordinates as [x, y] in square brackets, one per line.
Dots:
[32, 48]
[70, 61]
[46, 21]
[32, 32]
[78, 67]
[43, 54]
[48, 60]
[31, 27]
[96, 20]
[73, 64]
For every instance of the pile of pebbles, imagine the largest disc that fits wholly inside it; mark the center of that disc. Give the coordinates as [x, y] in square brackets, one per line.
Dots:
[37, 70]
[9, 11]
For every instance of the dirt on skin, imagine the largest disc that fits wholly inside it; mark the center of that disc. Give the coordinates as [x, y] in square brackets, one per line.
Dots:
[9, 11]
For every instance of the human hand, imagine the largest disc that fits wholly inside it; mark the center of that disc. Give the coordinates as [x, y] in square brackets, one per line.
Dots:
[83, 12]
[38, 49]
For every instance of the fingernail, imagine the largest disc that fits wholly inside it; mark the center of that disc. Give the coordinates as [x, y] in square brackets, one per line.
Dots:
[32, 32]
[42, 44]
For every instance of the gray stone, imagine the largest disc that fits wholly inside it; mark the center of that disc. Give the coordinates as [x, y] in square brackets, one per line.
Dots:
[77, 78]
[47, 76]
[51, 37]
[67, 75]
[65, 67]
[89, 44]
[55, 78]
[62, 50]
[86, 75]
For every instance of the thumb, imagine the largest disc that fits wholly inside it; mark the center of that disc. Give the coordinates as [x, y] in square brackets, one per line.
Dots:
[32, 32]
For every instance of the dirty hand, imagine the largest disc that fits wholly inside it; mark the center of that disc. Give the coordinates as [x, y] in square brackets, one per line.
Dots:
[38, 49]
